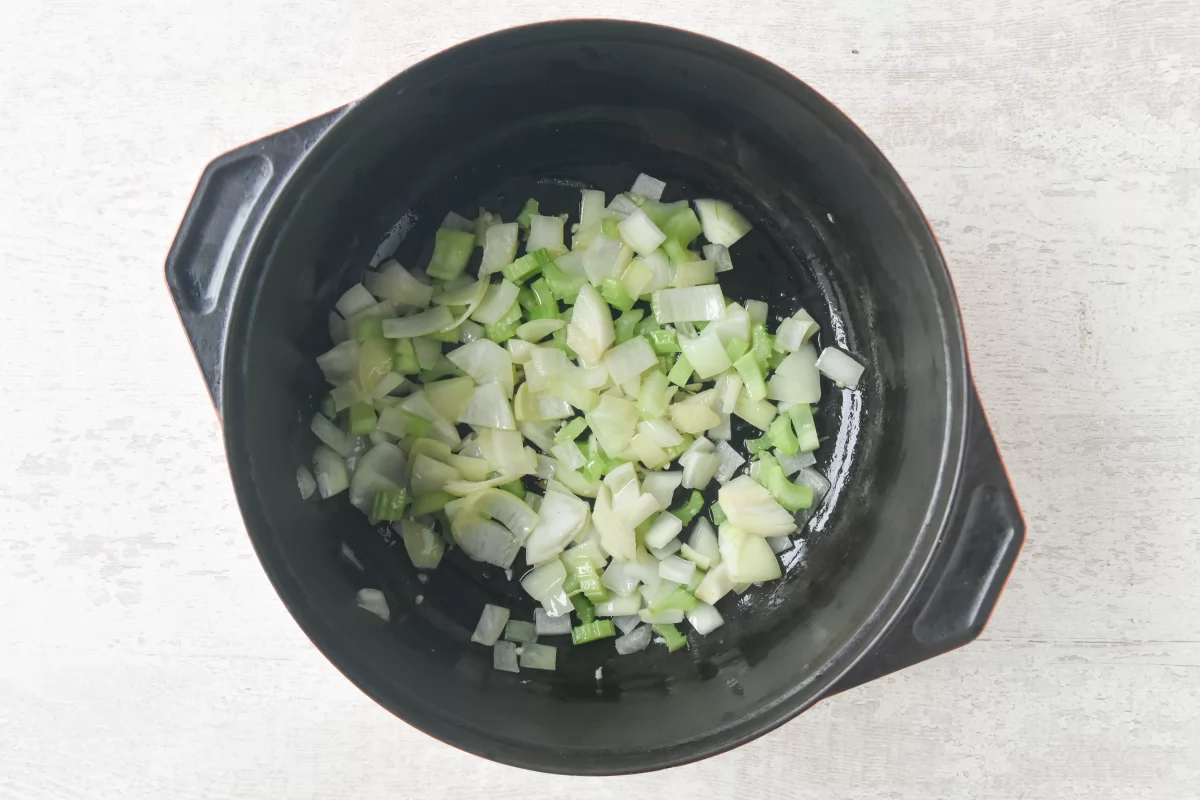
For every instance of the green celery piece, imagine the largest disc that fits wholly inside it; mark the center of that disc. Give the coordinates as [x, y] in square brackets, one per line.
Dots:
[527, 299]
[429, 503]
[418, 427]
[680, 599]
[782, 437]
[608, 226]
[761, 344]
[589, 583]
[762, 444]
[664, 341]
[547, 306]
[683, 226]
[679, 449]
[527, 265]
[615, 295]
[524, 219]
[362, 419]
[652, 399]
[806, 428]
[681, 373]
[736, 348]
[504, 328]
[752, 377]
[624, 325]
[590, 632]
[776, 358]
[678, 253]
[565, 287]
[647, 326]
[444, 368]
[404, 357]
[571, 585]
[671, 635]
[571, 430]
[451, 251]
[390, 504]
[515, 488]
[659, 212]
[560, 341]
[450, 336]
[688, 511]
[584, 608]
[789, 495]
[368, 328]
[329, 407]
[718, 514]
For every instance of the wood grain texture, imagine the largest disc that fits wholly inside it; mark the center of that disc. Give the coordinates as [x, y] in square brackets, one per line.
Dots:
[1056, 149]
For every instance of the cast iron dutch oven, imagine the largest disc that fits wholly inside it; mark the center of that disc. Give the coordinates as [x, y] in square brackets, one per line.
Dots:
[903, 560]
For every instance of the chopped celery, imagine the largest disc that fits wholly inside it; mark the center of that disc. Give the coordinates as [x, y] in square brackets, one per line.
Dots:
[762, 444]
[444, 368]
[753, 381]
[560, 341]
[527, 299]
[447, 337]
[806, 429]
[615, 295]
[718, 514]
[590, 632]
[547, 306]
[647, 326]
[362, 419]
[571, 430]
[527, 265]
[678, 253]
[404, 357]
[583, 607]
[515, 488]
[791, 496]
[681, 373]
[653, 397]
[736, 348]
[504, 328]
[525, 218]
[680, 599]
[762, 343]
[565, 287]
[782, 436]
[589, 583]
[390, 504]
[683, 226]
[671, 636]
[429, 503]
[571, 585]
[451, 251]
[367, 328]
[687, 512]
[664, 341]
[328, 406]
[624, 325]
[608, 226]
[776, 358]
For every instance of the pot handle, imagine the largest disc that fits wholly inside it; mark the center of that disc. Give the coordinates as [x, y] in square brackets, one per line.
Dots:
[212, 245]
[980, 544]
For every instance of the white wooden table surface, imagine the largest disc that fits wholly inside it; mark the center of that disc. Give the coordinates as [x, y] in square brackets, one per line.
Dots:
[1055, 147]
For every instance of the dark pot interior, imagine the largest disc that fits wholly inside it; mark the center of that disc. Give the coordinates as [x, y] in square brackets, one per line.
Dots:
[543, 111]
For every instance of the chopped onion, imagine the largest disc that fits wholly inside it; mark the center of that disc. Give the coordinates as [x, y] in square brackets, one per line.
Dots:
[569, 454]
[332, 435]
[757, 310]
[621, 207]
[330, 469]
[792, 464]
[729, 462]
[662, 485]
[796, 380]
[674, 568]
[341, 363]
[354, 300]
[719, 255]
[496, 302]
[605, 258]
[716, 584]
[648, 187]
[486, 362]
[457, 222]
[538, 329]
[538, 656]
[750, 507]
[618, 578]
[504, 657]
[618, 606]
[591, 209]
[499, 247]
[693, 304]
[545, 233]
[779, 544]
[306, 482]
[560, 518]
[627, 623]
[591, 330]
[545, 580]
[839, 367]
[748, 558]
[395, 284]
[489, 409]
[662, 431]
[616, 537]
[383, 468]
[721, 222]
[374, 601]
[705, 353]
[666, 526]
[629, 360]
[516, 630]
[639, 232]
[705, 619]
[546, 625]
[699, 469]
[421, 324]
[666, 617]
[613, 421]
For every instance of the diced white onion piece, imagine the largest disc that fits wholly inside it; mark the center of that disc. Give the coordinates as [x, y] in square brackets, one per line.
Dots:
[530, 406]
[699, 470]
[618, 605]
[489, 408]
[545, 580]
[546, 363]
[705, 353]
[722, 432]
[429, 352]
[428, 476]
[339, 331]
[674, 568]
[694, 273]
[545, 470]
[635, 640]
[636, 512]
[546, 625]
[629, 360]
[621, 477]
[499, 247]
[424, 547]
[693, 304]
[538, 329]
[719, 255]
[648, 451]
[721, 222]
[506, 451]
[591, 208]
[569, 454]
[395, 284]
[779, 544]
[814, 480]
[421, 324]
[757, 310]
[388, 384]
[618, 578]
[699, 559]
[759, 413]
[484, 540]
[560, 518]
[672, 547]
[666, 526]
[306, 482]
[382, 468]
[354, 300]
[571, 264]
[621, 207]
[516, 630]
[793, 464]
[639, 232]
[613, 420]
[627, 623]
[669, 616]
[545, 233]
[332, 435]
[591, 330]
[330, 469]
[538, 656]
[340, 364]
[457, 222]
[693, 417]
[374, 601]
[729, 460]
[520, 350]
[751, 508]
[705, 619]
[506, 508]
[662, 485]
[747, 557]
[796, 380]
[733, 324]
[790, 335]
[648, 187]
[496, 302]
[839, 367]
[504, 657]
[605, 258]
[716, 584]
[728, 389]
[616, 537]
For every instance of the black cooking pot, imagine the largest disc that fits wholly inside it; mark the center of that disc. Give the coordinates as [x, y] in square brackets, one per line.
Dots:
[903, 560]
